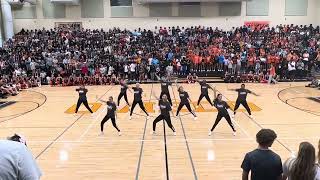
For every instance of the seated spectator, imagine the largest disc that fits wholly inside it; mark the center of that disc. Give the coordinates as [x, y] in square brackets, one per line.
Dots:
[7, 88]
[123, 53]
[315, 82]
[303, 166]
[16, 161]
[263, 163]
[190, 79]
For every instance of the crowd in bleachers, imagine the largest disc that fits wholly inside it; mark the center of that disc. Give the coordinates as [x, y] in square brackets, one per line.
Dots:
[63, 57]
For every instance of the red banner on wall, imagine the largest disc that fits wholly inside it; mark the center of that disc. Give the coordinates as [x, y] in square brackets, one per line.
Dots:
[256, 25]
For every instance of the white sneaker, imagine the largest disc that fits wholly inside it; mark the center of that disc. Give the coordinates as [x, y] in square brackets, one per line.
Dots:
[232, 115]
[210, 133]
[148, 117]
[234, 133]
[174, 133]
[153, 133]
[119, 133]
[101, 134]
[251, 116]
[195, 118]
[197, 106]
[130, 117]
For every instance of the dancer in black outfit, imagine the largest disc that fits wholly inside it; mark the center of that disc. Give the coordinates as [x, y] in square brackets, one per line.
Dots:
[137, 99]
[222, 108]
[184, 101]
[123, 92]
[82, 98]
[204, 92]
[165, 89]
[165, 109]
[111, 114]
[242, 99]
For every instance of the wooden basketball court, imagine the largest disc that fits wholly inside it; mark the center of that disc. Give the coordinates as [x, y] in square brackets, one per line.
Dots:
[68, 146]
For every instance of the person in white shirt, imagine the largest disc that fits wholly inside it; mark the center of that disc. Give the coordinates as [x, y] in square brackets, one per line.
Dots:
[16, 161]
[292, 69]
[126, 70]
[302, 167]
[133, 71]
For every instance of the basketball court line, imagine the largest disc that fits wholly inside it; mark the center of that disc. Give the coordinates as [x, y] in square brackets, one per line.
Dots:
[261, 127]
[169, 140]
[234, 121]
[165, 149]
[21, 114]
[293, 124]
[186, 141]
[90, 126]
[66, 129]
[142, 140]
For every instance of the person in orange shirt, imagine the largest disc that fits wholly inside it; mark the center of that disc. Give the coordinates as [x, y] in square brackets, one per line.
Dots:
[277, 59]
[195, 60]
[251, 61]
[272, 74]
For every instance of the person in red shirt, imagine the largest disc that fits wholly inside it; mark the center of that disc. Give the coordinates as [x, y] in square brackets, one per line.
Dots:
[272, 75]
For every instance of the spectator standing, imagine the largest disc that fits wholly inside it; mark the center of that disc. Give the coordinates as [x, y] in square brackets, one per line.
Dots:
[272, 75]
[16, 161]
[263, 163]
[302, 167]
[292, 69]
[300, 68]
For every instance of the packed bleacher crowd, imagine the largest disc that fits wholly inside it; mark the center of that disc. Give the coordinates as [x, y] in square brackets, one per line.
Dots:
[73, 56]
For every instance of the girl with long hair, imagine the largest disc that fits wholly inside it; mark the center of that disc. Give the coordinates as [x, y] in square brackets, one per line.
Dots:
[303, 167]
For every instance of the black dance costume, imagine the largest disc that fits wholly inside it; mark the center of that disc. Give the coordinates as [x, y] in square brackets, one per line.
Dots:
[82, 99]
[184, 101]
[222, 107]
[123, 93]
[204, 92]
[165, 90]
[165, 109]
[137, 100]
[242, 99]
[110, 115]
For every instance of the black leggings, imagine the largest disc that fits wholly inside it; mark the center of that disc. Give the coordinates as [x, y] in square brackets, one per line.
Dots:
[206, 96]
[218, 119]
[244, 104]
[188, 107]
[125, 97]
[162, 117]
[168, 96]
[134, 103]
[113, 120]
[85, 103]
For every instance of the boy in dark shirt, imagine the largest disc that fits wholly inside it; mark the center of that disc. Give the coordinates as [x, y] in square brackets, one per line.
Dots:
[263, 163]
